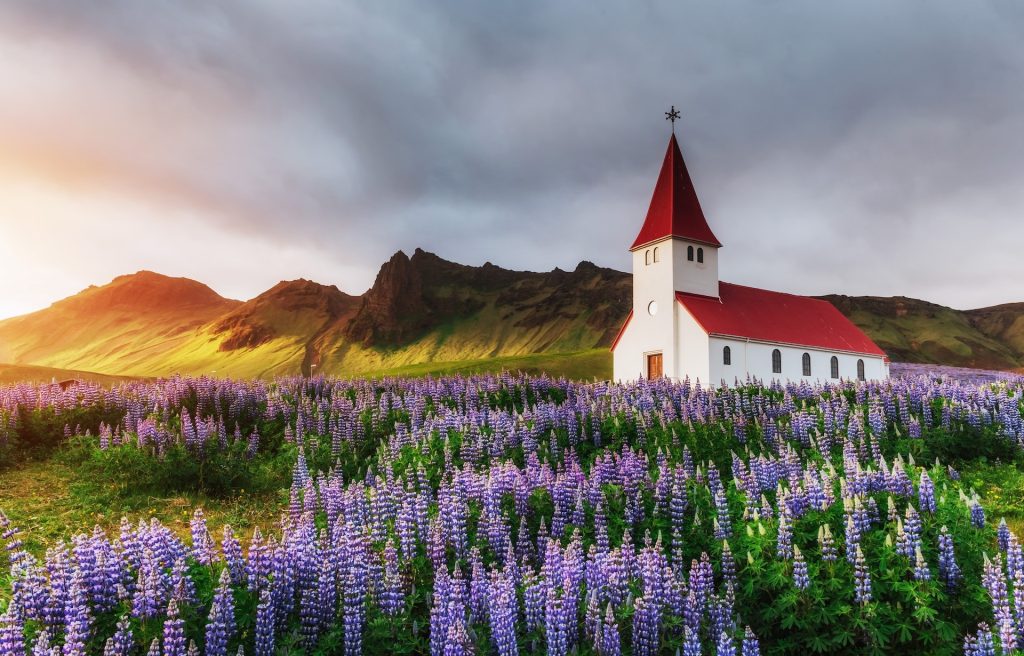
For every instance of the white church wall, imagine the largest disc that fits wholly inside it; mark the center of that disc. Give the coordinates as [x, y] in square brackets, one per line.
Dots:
[694, 277]
[756, 358]
[692, 346]
[649, 333]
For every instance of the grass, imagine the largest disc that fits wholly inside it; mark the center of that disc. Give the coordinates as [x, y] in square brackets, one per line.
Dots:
[26, 373]
[50, 502]
[582, 365]
[1001, 486]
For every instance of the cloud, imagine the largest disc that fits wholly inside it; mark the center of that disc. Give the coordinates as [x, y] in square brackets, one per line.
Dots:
[858, 147]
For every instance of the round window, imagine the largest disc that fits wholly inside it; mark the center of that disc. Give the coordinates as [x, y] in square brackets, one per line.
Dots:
[652, 308]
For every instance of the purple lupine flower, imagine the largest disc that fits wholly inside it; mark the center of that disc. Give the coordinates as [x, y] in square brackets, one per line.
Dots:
[232, 550]
[852, 539]
[309, 617]
[751, 646]
[725, 646]
[862, 578]
[202, 549]
[691, 642]
[645, 627]
[723, 523]
[76, 617]
[174, 631]
[264, 645]
[122, 642]
[977, 514]
[555, 620]
[611, 642]
[1003, 533]
[457, 642]
[728, 564]
[921, 571]
[12, 630]
[949, 571]
[503, 611]
[800, 577]
[784, 539]
[981, 643]
[827, 543]
[224, 604]
[926, 493]
[994, 580]
[392, 597]
[355, 605]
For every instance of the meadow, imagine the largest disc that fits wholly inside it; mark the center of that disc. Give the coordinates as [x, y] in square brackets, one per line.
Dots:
[512, 514]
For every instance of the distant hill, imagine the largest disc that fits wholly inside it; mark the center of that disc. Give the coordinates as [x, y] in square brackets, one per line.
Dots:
[910, 330]
[423, 313]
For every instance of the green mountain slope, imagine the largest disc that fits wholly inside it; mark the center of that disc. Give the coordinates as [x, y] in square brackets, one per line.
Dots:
[910, 330]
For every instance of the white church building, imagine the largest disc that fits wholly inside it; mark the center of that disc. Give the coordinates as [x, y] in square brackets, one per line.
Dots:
[685, 322]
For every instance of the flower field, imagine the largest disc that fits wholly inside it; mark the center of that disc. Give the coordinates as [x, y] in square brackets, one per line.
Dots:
[506, 514]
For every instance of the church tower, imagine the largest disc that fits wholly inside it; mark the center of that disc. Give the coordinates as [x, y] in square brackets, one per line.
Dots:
[675, 251]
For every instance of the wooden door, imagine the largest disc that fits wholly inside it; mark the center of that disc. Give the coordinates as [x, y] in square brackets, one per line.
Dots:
[654, 367]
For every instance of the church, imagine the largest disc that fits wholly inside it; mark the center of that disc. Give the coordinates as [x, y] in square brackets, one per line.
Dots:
[686, 323]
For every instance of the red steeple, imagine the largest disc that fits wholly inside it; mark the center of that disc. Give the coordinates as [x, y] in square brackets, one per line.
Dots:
[675, 210]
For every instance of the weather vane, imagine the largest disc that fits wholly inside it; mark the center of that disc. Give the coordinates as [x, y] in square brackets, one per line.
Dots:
[672, 115]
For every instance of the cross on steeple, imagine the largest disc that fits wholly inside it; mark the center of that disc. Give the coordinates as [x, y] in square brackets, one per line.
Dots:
[672, 115]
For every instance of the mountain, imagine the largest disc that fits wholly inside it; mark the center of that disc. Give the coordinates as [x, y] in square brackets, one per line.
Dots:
[910, 330]
[118, 328]
[420, 309]
[422, 314]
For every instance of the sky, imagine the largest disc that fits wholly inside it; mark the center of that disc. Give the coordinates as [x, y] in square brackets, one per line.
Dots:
[859, 147]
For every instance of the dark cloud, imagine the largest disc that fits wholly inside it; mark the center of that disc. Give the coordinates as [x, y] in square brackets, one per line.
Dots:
[858, 147]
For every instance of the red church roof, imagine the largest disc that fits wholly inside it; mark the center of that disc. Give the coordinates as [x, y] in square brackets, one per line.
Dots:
[675, 210]
[750, 313]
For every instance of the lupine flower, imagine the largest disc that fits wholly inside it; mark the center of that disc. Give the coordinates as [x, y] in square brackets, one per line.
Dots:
[751, 646]
[862, 579]
[264, 645]
[977, 514]
[611, 643]
[949, 571]
[645, 627]
[800, 578]
[921, 571]
[926, 493]
[826, 543]
[174, 631]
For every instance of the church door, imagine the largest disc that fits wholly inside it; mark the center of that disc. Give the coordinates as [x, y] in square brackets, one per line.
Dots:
[654, 369]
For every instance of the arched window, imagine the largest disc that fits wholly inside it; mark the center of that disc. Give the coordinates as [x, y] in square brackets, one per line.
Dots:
[689, 253]
[655, 253]
[776, 361]
[647, 256]
[807, 364]
[700, 255]
[860, 370]
[726, 355]
[835, 367]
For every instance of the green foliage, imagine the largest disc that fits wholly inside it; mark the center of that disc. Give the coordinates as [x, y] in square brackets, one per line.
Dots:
[214, 471]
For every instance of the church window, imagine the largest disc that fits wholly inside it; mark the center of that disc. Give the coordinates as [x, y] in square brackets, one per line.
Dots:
[776, 361]
[726, 355]
[656, 254]
[689, 253]
[835, 367]
[807, 364]
[700, 255]
[860, 370]
[647, 256]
